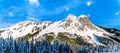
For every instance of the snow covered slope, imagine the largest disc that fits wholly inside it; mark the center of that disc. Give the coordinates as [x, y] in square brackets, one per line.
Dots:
[23, 28]
[71, 27]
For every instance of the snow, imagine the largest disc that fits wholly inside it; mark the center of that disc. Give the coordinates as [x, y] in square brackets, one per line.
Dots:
[72, 29]
[23, 28]
[71, 17]
[82, 16]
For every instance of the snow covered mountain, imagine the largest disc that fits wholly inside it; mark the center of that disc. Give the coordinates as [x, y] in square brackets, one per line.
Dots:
[72, 30]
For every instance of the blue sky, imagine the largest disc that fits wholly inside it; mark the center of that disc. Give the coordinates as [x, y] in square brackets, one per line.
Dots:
[100, 12]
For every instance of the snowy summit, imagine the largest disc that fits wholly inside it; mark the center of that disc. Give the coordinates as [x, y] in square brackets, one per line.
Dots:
[71, 28]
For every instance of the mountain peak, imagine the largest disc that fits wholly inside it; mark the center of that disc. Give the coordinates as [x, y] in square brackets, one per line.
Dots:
[71, 17]
[82, 16]
[85, 21]
[81, 26]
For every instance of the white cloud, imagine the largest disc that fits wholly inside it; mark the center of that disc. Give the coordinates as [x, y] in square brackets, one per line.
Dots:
[117, 13]
[34, 2]
[118, 1]
[89, 3]
[10, 14]
[57, 10]
[67, 9]
[32, 19]
[115, 21]
[88, 15]
[63, 8]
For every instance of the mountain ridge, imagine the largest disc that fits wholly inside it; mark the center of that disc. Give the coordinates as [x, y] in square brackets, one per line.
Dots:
[68, 30]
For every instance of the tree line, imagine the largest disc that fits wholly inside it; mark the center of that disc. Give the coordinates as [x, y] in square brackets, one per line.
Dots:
[20, 46]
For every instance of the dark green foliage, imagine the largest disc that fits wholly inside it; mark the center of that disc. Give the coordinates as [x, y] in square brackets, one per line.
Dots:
[105, 40]
[44, 27]
[21, 46]
[29, 36]
[63, 38]
[111, 30]
[1, 31]
[114, 38]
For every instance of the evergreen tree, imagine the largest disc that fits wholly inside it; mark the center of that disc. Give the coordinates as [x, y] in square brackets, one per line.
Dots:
[55, 48]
